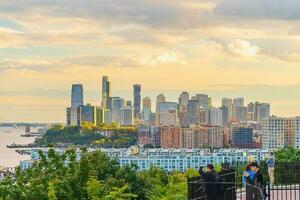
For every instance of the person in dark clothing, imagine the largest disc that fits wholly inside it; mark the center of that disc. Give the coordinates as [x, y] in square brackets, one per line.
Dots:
[258, 181]
[211, 178]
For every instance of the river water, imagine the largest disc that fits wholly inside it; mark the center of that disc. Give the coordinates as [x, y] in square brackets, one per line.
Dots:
[9, 135]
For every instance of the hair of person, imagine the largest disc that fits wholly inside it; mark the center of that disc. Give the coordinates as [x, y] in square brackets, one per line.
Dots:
[210, 166]
[248, 167]
[254, 164]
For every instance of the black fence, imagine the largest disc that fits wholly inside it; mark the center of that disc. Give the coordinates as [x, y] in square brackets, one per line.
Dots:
[283, 192]
[286, 186]
[232, 190]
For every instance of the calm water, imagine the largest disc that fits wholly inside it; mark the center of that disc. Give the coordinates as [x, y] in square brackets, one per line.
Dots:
[8, 157]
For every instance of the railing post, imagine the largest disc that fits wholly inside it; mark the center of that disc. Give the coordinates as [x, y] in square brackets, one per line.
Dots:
[269, 191]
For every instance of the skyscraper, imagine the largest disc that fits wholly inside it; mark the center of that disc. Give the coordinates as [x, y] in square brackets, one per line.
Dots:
[126, 116]
[77, 95]
[204, 100]
[115, 104]
[192, 115]
[237, 102]
[137, 99]
[146, 112]
[227, 102]
[183, 100]
[105, 91]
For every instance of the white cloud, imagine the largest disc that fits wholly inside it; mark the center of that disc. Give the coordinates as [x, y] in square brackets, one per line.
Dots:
[163, 58]
[243, 48]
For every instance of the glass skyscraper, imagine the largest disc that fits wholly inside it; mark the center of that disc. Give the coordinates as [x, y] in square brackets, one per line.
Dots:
[105, 91]
[77, 95]
[137, 99]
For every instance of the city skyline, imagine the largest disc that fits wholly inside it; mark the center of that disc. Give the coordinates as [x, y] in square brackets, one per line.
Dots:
[224, 48]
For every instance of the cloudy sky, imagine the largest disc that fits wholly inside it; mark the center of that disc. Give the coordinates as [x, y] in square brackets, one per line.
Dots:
[220, 47]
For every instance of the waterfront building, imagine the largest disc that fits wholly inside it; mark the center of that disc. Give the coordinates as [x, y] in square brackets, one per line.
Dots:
[171, 159]
[137, 100]
[77, 95]
[105, 92]
[126, 115]
[280, 132]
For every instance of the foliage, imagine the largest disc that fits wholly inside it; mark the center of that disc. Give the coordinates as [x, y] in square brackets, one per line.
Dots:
[88, 134]
[95, 176]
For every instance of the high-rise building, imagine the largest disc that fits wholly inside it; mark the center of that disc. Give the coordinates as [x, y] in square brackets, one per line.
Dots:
[100, 116]
[137, 100]
[192, 115]
[225, 114]
[215, 117]
[83, 113]
[227, 102]
[183, 101]
[204, 100]
[280, 132]
[146, 112]
[149, 135]
[237, 102]
[166, 113]
[242, 137]
[105, 92]
[259, 111]
[114, 104]
[77, 95]
[263, 112]
[126, 115]
[170, 137]
[240, 113]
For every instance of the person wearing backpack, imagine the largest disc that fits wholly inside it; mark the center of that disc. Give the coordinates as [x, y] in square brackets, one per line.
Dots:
[212, 181]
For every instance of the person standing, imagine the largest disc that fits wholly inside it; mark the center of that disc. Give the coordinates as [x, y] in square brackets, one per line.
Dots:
[271, 168]
[210, 177]
[260, 192]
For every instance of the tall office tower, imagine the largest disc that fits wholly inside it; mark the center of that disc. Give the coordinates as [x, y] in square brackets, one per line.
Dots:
[77, 95]
[215, 117]
[259, 111]
[167, 113]
[242, 137]
[204, 100]
[146, 112]
[159, 99]
[82, 113]
[279, 132]
[126, 115]
[182, 112]
[170, 137]
[100, 116]
[227, 102]
[240, 113]
[147, 103]
[237, 102]
[225, 114]
[183, 100]
[137, 100]
[192, 114]
[114, 104]
[88, 114]
[105, 92]
[263, 112]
